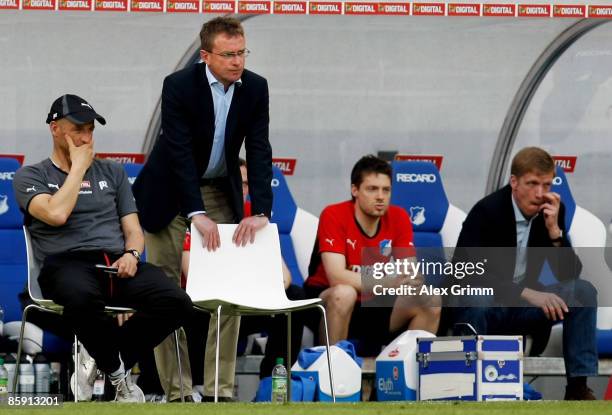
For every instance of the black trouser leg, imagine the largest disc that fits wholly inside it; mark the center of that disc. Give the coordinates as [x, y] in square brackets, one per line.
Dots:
[161, 307]
[80, 289]
[277, 335]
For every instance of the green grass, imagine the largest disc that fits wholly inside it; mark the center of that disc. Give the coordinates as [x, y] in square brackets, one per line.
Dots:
[373, 408]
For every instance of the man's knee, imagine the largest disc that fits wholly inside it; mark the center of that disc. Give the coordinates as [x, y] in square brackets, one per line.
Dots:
[340, 299]
[169, 298]
[433, 312]
[586, 293]
[179, 305]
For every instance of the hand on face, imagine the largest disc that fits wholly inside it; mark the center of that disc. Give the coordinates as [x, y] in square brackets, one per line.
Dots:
[80, 156]
[550, 210]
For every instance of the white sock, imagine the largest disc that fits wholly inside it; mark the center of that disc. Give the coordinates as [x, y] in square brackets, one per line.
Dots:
[119, 372]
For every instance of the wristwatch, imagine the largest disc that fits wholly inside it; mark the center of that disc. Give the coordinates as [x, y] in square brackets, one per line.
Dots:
[133, 252]
[558, 238]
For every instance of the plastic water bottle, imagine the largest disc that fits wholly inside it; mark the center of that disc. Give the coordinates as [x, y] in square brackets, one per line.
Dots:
[54, 378]
[98, 387]
[43, 375]
[9, 365]
[279, 382]
[27, 378]
[3, 382]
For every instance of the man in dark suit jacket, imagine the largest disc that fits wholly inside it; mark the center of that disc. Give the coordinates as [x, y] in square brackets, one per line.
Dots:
[193, 173]
[524, 223]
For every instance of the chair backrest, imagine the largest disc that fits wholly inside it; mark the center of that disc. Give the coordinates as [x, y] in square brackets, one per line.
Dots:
[234, 274]
[417, 187]
[12, 252]
[297, 228]
[585, 230]
[561, 186]
[33, 268]
[10, 215]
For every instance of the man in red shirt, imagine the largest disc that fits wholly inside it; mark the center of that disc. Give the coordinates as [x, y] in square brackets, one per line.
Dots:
[350, 231]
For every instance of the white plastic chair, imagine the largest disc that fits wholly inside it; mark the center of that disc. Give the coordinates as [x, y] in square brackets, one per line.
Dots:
[245, 281]
[49, 306]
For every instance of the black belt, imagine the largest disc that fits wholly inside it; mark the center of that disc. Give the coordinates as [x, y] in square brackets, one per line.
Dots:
[214, 181]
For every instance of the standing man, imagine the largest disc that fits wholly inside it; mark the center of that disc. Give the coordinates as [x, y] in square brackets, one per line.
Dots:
[81, 214]
[208, 110]
[527, 219]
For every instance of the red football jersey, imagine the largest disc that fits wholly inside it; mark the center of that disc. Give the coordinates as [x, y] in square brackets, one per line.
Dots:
[339, 232]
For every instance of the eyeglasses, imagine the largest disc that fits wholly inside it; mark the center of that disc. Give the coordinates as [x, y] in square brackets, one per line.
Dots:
[231, 55]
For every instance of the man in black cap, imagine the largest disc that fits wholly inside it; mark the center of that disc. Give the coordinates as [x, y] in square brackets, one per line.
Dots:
[81, 214]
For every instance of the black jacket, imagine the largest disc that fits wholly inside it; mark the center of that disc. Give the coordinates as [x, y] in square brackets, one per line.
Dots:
[169, 182]
[491, 223]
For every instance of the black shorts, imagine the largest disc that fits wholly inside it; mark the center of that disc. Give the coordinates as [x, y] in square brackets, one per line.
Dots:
[369, 326]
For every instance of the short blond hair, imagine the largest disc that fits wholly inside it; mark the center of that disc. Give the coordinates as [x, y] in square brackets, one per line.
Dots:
[532, 160]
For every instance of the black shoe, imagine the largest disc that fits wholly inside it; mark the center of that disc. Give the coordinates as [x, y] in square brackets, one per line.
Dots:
[188, 398]
[579, 393]
[224, 399]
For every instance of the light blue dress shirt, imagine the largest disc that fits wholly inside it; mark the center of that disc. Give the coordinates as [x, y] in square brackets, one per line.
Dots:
[523, 227]
[221, 100]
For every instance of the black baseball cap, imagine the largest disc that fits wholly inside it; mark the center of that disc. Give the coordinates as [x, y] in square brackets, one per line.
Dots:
[75, 109]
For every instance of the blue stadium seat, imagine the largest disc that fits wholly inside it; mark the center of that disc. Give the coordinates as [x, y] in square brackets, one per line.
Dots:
[132, 170]
[417, 187]
[296, 227]
[13, 261]
[584, 230]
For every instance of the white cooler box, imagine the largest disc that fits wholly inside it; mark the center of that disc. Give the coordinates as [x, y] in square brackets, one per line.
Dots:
[471, 368]
[347, 376]
[397, 369]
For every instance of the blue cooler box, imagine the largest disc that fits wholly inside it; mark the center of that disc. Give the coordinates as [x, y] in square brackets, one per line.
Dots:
[470, 368]
[346, 373]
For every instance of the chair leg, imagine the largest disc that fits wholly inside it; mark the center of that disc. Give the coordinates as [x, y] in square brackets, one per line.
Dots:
[329, 365]
[178, 360]
[217, 354]
[20, 347]
[75, 392]
[289, 357]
